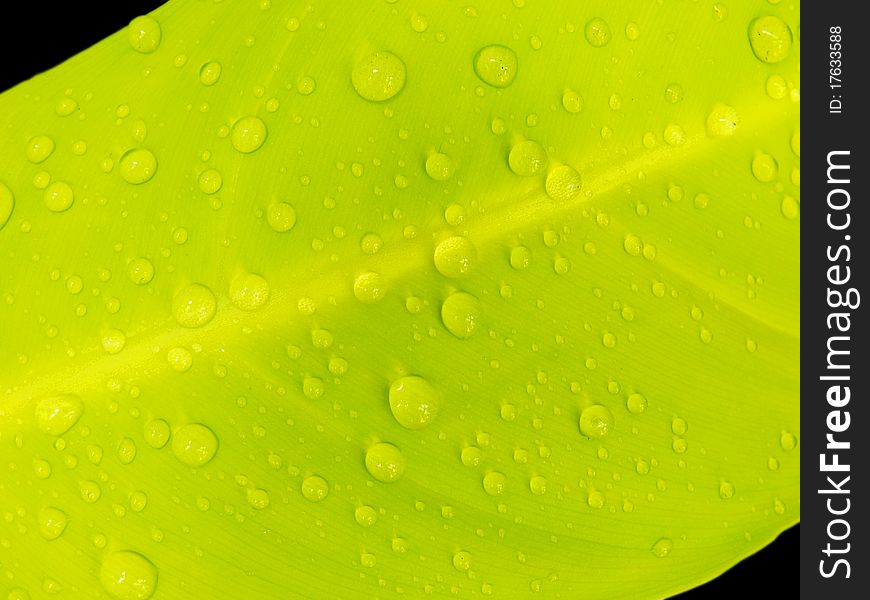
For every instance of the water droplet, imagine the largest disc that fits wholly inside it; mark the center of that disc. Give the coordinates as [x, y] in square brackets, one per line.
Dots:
[636, 404]
[471, 456]
[365, 515]
[137, 166]
[572, 101]
[521, 258]
[722, 121]
[144, 34]
[776, 87]
[180, 359]
[315, 488]
[726, 490]
[538, 485]
[209, 73]
[7, 203]
[461, 313]
[679, 445]
[385, 462]
[281, 216]
[789, 207]
[18, 594]
[128, 575]
[674, 93]
[258, 499]
[455, 257]
[679, 426]
[140, 270]
[379, 76]
[138, 500]
[494, 483]
[210, 181]
[313, 387]
[368, 287]
[126, 451]
[113, 341]
[57, 414]
[39, 148]
[194, 306]
[194, 444]
[674, 135]
[796, 143]
[597, 32]
[249, 133]
[156, 433]
[596, 421]
[371, 243]
[770, 39]
[663, 547]
[563, 183]
[778, 506]
[249, 291]
[527, 158]
[58, 196]
[90, 491]
[632, 245]
[764, 167]
[496, 65]
[455, 215]
[52, 522]
[439, 166]
[414, 402]
[787, 440]
[462, 561]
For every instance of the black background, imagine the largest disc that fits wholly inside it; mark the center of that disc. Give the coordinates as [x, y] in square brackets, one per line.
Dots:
[73, 27]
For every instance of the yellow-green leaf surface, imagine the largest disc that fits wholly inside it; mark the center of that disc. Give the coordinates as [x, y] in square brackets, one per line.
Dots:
[402, 299]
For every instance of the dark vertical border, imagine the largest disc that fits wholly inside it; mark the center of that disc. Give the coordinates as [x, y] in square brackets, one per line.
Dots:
[825, 131]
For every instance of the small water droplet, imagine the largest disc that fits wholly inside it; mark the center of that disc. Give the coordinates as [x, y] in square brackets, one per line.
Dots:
[378, 76]
[527, 158]
[194, 444]
[636, 403]
[461, 313]
[315, 488]
[385, 462]
[770, 39]
[439, 166]
[471, 456]
[210, 181]
[572, 102]
[496, 65]
[764, 167]
[128, 575]
[674, 93]
[663, 547]
[597, 32]
[180, 359]
[789, 207]
[674, 135]
[462, 561]
[144, 34]
[194, 306]
[521, 258]
[58, 196]
[563, 183]
[39, 148]
[156, 433]
[248, 135]
[281, 216]
[57, 414]
[371, 243]
[140, 270]
[596, 421]
[7, 204]
[249, 291]
[210, 73]
[494, 483]
[726, 490]
[52, 522]
[365, 515]
[414, 402]
[538, 485]
[258, 498]
[787, 440]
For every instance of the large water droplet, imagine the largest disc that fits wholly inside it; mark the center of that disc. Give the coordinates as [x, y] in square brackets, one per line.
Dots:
[58, 196]
[461, 313]
[378, 76]
[156, 433]
[413, 401]
[210, 181]
[281, 216]
[55, 415]
[455, 256]
[368, 287]
[140, 270]
[385, 462]
[194, 444]
[494, 483]
[439, 166]
[39, 148]
[527, 158]
[496, 65]
[365, 515]
[563, 183]
[315, 488]
[764, 167]
[210, 73]
[598, 32]
[137, 166]
[770, 39]
[144, 34]
[248, 135]
[194, 306]
[128, 575]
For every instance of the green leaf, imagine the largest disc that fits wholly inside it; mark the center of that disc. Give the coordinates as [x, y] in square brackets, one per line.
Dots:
[383, 299]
